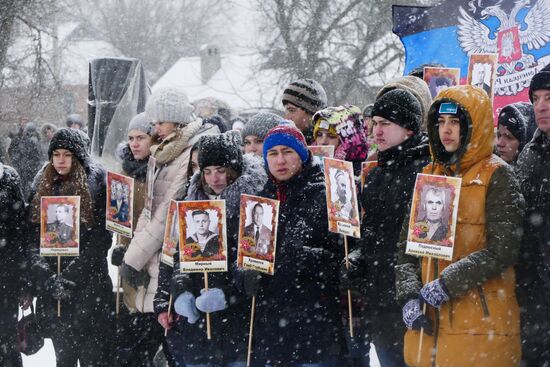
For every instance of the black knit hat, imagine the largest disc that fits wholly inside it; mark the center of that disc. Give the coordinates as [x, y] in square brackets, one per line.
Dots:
[399, 107]
[221, 150]
[307, 94]
[71, 140]
[516, 117]
[540, 80]
[260, 124]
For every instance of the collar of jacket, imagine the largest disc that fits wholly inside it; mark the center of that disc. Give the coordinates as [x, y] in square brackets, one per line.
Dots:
[175, 143]
[413, 148]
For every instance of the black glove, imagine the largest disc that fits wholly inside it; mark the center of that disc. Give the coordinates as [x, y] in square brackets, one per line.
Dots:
[248, 281]
[60, 288]
[180, 283]
[117, 256]
[133, 277]
[348, 276]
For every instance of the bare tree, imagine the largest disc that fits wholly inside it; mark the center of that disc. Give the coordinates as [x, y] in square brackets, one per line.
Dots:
[342, 44]
[157, 32]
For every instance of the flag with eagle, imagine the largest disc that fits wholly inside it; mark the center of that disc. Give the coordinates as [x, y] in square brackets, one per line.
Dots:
[518, 31]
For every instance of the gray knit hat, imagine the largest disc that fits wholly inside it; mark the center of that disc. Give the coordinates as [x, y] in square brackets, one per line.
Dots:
[169, 104]
[141, 122]
[260, 124]
[306, 94]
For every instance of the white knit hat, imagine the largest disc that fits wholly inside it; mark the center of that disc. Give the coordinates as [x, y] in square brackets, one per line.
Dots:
[169, 104]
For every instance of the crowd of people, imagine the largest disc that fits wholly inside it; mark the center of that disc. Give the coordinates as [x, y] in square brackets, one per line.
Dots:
[486, 307]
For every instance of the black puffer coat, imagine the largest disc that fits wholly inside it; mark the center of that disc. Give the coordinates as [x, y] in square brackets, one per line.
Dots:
[13, 256]
[91, 305]
[229, 327]
[385, 199]
[533, 268]
[297, 315]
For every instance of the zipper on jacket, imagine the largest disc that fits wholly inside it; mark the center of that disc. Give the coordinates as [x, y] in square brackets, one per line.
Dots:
[483, 301]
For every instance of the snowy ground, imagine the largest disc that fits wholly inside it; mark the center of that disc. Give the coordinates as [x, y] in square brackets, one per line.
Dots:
[46, 356]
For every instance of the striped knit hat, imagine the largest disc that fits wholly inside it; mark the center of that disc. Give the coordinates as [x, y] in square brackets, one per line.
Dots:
[307, 94]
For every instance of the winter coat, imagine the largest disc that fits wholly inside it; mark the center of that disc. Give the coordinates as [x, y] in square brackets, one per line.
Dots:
[26, 156]
[229, 341]
[172, 156]
[479, 325]
[385, 198]
[91, 304]
[297, 317]
[13, 253]
[533, 168]
[138, 171]
[417, 87]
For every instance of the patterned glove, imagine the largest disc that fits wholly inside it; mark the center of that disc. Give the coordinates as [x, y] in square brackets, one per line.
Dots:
[185, 306]
[414, 318]
[60, 288]
[435, 293]
[211, 300]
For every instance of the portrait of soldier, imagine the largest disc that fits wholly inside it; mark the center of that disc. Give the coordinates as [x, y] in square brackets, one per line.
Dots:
[342, 202]
[436, 212]
[258, 231]
[207, 242]
[62, 225]
[119, 201]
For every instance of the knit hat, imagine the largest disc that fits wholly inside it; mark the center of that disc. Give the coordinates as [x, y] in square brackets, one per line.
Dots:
[74, 118]
[221, 150]
[260, 124]
[169, 104]
[345, 121]
[286, 134]
[306, 94]
[367, 111]
[516, 117]
[71, 140]
[399, 107]
[540, 80]
[141, 122]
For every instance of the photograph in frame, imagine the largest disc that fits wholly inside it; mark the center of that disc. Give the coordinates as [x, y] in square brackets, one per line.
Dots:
[59, 225]
[439, 79]
[434, 212]
[202, 236]
[343, 213]
[482, 72]
[322, 151]
[258, 233]
[120, 199]
[171, 234]
[366, 167]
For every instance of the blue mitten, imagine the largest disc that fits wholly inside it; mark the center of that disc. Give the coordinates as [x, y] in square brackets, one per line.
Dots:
[185, 306]
[211, 300]
[414, 318]
[435, 293]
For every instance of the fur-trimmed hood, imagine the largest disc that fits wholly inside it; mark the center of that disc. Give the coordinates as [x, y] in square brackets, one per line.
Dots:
[250, 182]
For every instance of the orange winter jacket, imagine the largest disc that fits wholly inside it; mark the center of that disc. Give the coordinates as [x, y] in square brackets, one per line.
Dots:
[479, 326]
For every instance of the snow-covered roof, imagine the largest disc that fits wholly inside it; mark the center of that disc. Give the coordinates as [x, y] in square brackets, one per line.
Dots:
[238, 82]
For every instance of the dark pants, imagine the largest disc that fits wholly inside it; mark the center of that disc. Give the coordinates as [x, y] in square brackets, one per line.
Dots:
[139, 337]
[92, 348]
[9, 356]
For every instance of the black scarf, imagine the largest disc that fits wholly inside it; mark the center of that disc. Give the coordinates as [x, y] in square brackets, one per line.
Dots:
[137, 169]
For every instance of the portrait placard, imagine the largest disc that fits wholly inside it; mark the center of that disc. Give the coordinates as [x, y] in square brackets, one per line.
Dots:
[258, 233]
[322, 151]
[509, 45]
[434, 213]
[343, 215]
[171, 234]
[439, 79]
[150, 184]
[59, 225]
[120, 200]
[202, 236]
[482, 71]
